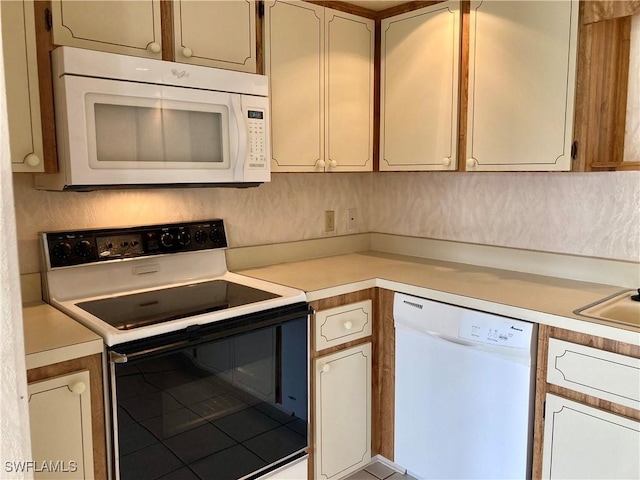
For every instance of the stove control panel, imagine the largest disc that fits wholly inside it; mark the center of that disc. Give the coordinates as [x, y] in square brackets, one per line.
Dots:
[65, 249]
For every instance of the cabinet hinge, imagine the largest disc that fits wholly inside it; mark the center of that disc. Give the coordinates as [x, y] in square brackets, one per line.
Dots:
[260, 9]
[574, 150]
[48, 20]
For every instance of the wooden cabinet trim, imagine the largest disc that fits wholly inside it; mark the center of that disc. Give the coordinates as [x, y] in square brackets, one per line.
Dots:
[44, 45]
[93, 363]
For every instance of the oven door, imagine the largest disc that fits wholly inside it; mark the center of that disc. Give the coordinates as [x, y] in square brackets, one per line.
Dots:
[227, 400]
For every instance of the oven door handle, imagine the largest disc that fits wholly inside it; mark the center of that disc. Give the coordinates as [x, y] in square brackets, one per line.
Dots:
[115, 357]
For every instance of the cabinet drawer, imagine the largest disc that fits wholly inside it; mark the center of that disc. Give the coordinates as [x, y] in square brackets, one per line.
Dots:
[342, 324]
[609, 376]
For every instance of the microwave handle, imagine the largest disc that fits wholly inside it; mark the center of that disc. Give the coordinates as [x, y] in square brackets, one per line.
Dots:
[236, 104]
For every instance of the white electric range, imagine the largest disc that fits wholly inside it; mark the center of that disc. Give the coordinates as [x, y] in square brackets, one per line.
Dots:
[207, 369]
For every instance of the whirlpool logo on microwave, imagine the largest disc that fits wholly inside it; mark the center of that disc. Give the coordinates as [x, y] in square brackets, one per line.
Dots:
[179, 74]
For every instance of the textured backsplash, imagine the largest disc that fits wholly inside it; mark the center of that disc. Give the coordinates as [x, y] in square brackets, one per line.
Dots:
[589, 214]
[593, 214]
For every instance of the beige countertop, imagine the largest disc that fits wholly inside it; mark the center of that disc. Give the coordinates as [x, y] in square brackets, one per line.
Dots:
[50, 336]
[536, 298]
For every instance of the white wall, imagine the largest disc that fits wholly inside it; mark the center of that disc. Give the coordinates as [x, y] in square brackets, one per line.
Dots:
[14, 416]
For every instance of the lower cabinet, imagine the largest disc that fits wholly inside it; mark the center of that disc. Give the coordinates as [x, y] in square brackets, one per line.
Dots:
[341, 384]
[588, 443]
[66, 414]
[587, 407]
[343, 412]
[61, 430]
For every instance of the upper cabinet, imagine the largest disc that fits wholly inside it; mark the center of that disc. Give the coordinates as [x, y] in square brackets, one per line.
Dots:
[216, 33]
[419, 72]
[21, 83]
[211, 33]
[522, 66]
[129, 28]
[320, 67]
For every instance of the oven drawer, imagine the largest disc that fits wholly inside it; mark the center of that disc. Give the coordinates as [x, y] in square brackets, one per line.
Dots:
[342, 324]
[602, 374]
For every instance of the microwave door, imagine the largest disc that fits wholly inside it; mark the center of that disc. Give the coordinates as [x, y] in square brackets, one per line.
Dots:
[126, 133]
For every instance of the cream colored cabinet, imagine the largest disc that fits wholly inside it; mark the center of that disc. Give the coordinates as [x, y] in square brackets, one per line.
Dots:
[21, 82]
[522, 65]
[320, 67]
[213, 33]
[419, 72]
[588, 408]
[342, 412]
[125, 27]
[588, 443]
[61, 430]
[216, 33]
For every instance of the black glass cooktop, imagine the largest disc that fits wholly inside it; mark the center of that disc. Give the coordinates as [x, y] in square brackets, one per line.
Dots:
[125, 312]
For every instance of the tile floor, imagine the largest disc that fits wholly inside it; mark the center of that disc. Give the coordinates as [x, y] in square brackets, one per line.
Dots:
[378, 471]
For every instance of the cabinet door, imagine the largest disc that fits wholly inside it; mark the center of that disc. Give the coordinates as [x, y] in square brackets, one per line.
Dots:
[522, 61]
[21, 83]
[294, 44]
[60, 419]
[216, 33]
[349, 46]
[587, 443]
[130, 27]
[419, 89]
[343, 412]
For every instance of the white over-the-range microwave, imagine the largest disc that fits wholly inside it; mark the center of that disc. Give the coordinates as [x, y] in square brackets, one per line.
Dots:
[124, 121]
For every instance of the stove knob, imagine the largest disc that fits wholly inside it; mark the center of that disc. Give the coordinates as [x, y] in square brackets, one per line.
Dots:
[217, 236]
[184, 238]
[62, 250]
[167, 239]
[83, 249]
[201, 236]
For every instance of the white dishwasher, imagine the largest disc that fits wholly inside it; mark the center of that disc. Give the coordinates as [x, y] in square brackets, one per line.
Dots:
[464, 392]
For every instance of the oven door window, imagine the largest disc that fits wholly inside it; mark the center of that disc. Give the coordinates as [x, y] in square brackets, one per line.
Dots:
[222, 409]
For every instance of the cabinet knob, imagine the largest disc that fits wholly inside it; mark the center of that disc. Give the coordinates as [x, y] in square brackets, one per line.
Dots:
[333, 164]
[326, 368]
[446, 161]
[471, 162]
[187, 52]
[154, 47]
[348, 325]
[320, 164]
[77, 387]
[32, 160]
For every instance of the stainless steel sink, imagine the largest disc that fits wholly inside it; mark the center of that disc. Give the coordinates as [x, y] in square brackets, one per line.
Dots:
[617, 308]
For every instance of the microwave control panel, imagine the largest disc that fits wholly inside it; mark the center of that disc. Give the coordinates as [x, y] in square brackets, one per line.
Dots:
[257, 140]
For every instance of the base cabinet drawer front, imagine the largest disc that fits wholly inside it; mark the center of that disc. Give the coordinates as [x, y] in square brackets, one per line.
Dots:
[61, 433]
[338, 325]
[583, 442]
[609, 376]
[342, 412]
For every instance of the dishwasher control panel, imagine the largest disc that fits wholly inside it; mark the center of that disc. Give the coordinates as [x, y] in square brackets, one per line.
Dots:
[492, 331]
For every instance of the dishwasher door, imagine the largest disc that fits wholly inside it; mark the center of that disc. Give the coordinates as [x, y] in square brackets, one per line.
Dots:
[464, 397]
